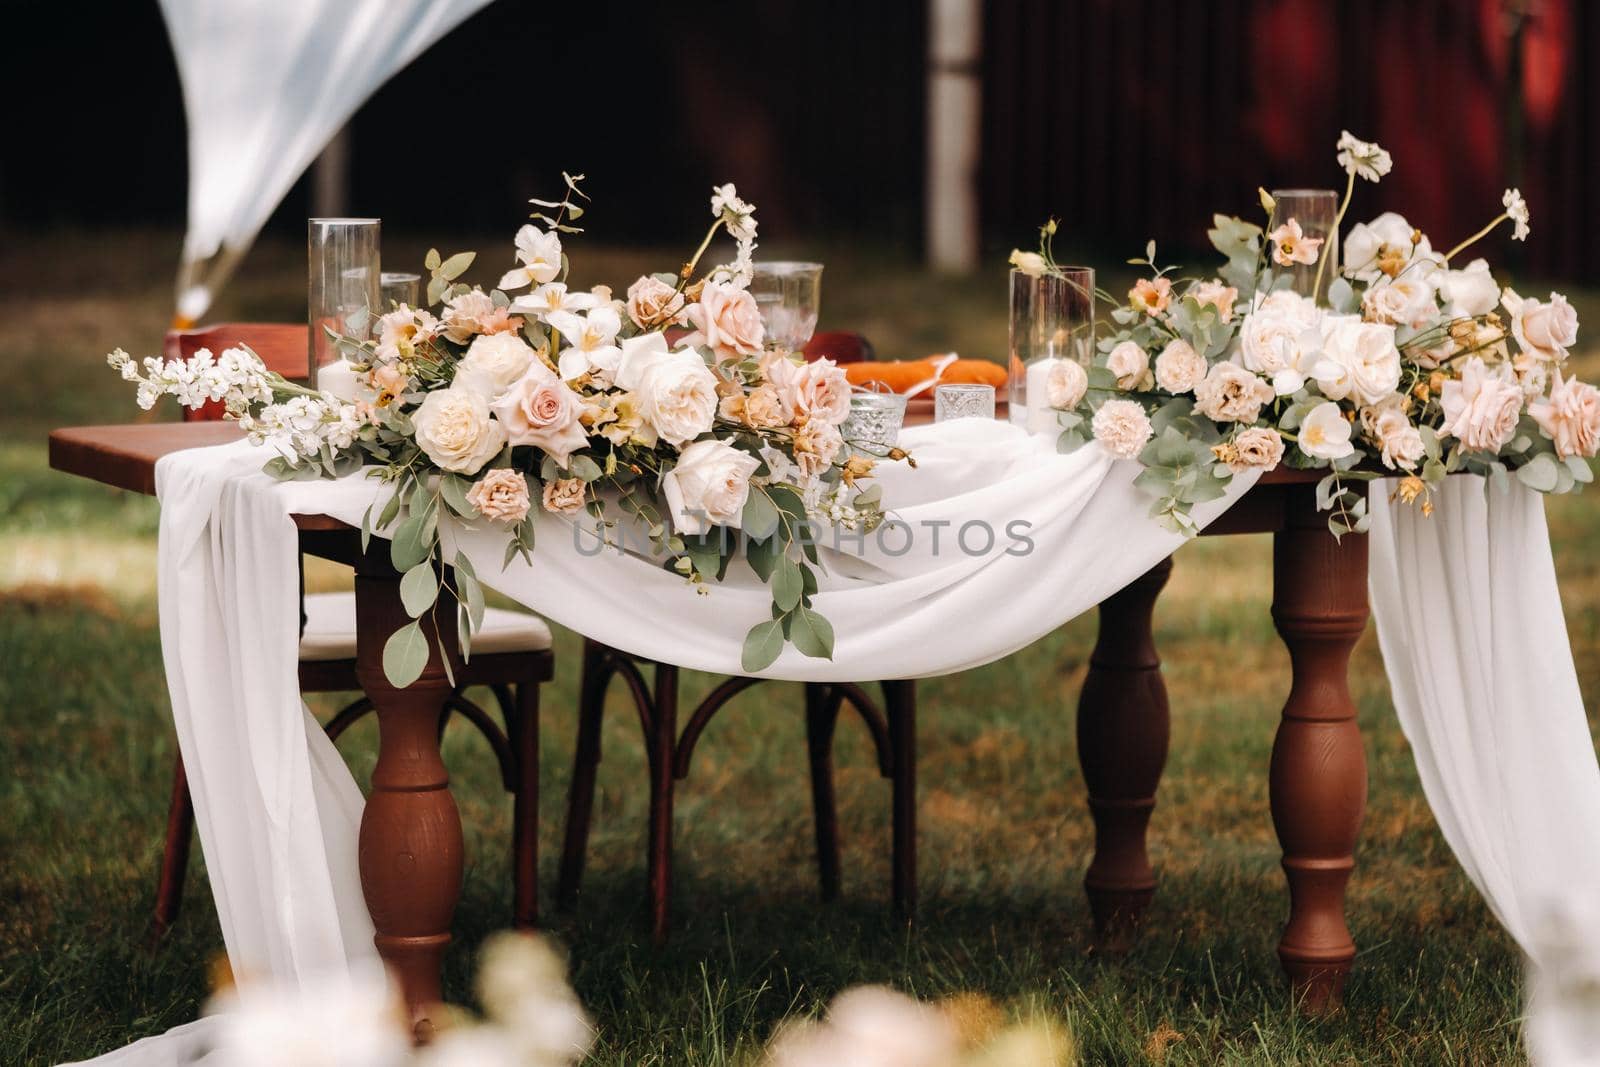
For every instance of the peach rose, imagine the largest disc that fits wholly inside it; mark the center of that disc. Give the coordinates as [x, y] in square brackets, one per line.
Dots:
[1258, 447]
[652, 302]
[762, 408]
[727, 321]
[473, 313]
[1544, 330]
[1481, 409]
[1570, 417]
[816, 443]
[1230, 393]
[818, 389]
[501, 495]
[1129, 363]
[540, 409]
[564, 495]
[1222, 297]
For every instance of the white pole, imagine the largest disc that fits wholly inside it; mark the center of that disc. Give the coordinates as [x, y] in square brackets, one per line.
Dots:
[955, 48]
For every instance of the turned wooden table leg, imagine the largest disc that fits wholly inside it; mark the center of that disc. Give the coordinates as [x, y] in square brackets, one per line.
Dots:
[1319, 770]
[1122, 747]
[410, 844]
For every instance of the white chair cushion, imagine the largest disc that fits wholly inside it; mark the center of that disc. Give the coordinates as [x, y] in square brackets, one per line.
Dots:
[330, 631]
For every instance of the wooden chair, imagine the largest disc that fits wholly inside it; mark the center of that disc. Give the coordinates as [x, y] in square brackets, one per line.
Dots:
[669, 752]
[511, 656]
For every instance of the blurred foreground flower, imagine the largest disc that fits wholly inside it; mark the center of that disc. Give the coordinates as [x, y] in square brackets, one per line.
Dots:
[354, 1020]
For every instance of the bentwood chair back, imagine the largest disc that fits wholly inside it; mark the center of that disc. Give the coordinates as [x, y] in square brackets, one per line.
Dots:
[511, 656]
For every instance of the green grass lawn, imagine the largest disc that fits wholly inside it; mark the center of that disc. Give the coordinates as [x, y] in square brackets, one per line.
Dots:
[86, 750]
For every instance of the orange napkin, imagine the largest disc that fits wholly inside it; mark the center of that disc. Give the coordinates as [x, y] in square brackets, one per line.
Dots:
[899, 375]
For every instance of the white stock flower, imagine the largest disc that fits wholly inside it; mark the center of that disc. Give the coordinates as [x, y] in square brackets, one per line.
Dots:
[1517, 211]
[540, 256]
[592, 341]
[1325, 434]
[1359, 360]
[1179, 368]
[1122, 427]
[551, 297]
[1129, 363]
[456, 431]
[708, 486]
[1481, 409]
[493, 361]
[1362, 158]
[676, 391]
[332, 1020]
[1470, 291]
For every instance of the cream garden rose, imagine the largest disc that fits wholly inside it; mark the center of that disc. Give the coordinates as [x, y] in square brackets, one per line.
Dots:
[1570, 417]
[455, 430]
[1359, 361]
[708, 487]
[1469, 292]
[1399, 442]
[1481, 409]
[816, 443]
[1256, 447]
[727, 321]
[1179, 368]
[1230, 393]
[501, 495]
[814, 389]
[1122, 427]
[676, 391]
[1065, 382]
[493, 361]
[1280, 337]
[653, 303]
[542, 410]
[1129, 363]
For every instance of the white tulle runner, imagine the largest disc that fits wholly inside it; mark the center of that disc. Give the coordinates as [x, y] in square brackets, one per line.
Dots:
[1466, 604]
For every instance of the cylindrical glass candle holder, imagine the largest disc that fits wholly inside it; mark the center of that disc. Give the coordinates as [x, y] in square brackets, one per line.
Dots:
[1052, 318]
[343, 291]
[1305, 217]
[963, 401]
[397, 288]
[789, 296]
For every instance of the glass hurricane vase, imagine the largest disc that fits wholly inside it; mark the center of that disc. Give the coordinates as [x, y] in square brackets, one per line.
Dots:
[1052, 318]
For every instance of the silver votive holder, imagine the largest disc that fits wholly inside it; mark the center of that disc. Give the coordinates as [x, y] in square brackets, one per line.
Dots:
[963, 401]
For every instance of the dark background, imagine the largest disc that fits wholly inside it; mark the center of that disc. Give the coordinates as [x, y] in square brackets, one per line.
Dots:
[1125, 118]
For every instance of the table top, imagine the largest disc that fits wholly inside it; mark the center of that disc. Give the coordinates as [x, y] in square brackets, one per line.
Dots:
[125, 457]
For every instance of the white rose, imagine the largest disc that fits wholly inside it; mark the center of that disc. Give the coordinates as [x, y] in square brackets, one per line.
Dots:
[1129, 363]
[1359, 360]
[493, 361]
[1279, 334]
[1030, 263]
[1384, 246]
[1179, 368]
[708, 486]
[1065, 382]
[1325, 434]
[676, 391]
[1469, 292]
[1406, 301]
[455, 430]
[1481, 409]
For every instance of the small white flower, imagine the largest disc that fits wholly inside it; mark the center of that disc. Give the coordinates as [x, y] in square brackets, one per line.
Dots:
[1363, 158]
[592, 339]
[552, 296]
[1517, 211]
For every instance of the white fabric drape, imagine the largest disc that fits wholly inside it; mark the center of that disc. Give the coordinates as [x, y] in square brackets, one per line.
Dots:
[1466, 603]
[266, 84]
[1469, 619]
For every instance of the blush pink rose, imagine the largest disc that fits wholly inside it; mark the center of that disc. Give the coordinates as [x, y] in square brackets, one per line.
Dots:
[540, 409]
[1481, 409]
[818, 389]
[652, 302]
[1570, 417]
[727, 321]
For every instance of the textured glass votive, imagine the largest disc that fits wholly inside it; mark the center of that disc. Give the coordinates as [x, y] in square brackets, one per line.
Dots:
[966, 401]
[875, 420]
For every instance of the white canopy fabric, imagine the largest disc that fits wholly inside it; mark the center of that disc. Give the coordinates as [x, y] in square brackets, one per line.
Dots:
[266, 84]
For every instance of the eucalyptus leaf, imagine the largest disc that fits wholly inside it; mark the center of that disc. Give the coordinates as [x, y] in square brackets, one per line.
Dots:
[407, 548]
[1542, 475]
[812, 634]
[456, 265]
[762, 556]
[419, 588]
[453, 488]
[787, 584]
[404, 655]
[761, 646]
[760, 518]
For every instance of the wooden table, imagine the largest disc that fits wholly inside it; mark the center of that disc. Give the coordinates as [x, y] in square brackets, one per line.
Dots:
[411, 854]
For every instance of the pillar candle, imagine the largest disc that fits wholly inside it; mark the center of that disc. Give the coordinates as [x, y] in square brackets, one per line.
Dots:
[1041, 417]
[339, 378]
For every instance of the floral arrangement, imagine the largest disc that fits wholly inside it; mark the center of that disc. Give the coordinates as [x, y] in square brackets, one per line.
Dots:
[1413, 367]
[489, 404]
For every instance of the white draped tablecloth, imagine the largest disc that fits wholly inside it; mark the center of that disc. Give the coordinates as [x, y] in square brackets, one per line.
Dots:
[1466, 604]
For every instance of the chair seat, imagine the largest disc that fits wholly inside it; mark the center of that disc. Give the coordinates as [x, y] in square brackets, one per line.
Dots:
[330, 631]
